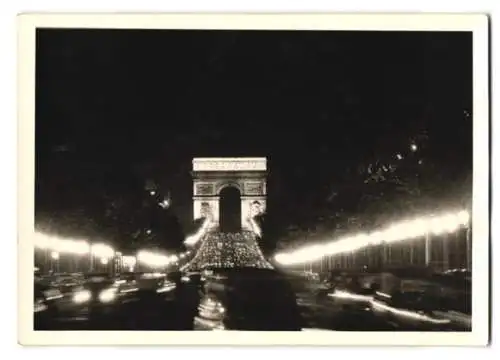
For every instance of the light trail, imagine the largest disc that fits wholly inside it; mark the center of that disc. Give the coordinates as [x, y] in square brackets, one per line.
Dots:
[401, 231]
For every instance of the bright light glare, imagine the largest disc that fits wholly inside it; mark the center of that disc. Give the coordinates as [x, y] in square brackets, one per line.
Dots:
[82, 296]
[102, 250]
[129, 261]
[450, 223]
[42, 241]
[281, 258]
[408, 313]
[193, 239]
[464, 217]
[164, 204]
[54, 255]
[153, 259]
[107, 295]
[340, 294]
[71, 246]
[405, 230]
[81, 247]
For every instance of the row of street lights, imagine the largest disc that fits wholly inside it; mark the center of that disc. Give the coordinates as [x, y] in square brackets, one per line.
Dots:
[399, 232]
[58, 246]
[55, 247]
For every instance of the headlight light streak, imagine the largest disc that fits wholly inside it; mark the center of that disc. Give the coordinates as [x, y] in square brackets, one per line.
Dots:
[413, 315]
[350, 296]
[108, 295]
[82, 296]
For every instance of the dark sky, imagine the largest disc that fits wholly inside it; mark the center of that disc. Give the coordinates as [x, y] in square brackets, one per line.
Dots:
[120, 106]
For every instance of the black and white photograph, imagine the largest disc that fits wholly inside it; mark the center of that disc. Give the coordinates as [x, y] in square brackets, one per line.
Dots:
[256, 180]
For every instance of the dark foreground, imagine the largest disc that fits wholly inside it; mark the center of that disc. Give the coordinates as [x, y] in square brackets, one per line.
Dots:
[163, 314]
[167, 315]
[260, 300]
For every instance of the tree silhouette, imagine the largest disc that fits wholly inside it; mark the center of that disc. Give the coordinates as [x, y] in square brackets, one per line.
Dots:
[401, 177]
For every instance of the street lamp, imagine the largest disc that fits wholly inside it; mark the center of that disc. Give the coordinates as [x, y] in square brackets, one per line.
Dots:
[102, 251]
[54, 255]
[464, 218]
[402, 231]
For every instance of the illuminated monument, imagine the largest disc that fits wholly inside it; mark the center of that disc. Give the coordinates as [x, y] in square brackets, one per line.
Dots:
[216, 178]
[231, 238]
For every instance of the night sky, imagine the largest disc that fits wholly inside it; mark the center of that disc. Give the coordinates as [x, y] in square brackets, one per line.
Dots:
[115, 108]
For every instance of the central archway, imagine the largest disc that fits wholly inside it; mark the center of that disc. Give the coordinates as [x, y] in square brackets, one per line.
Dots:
[230, 209]
[214, 179]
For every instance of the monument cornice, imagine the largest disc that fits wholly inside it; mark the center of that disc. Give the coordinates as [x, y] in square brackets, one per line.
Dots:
[200, 175]
[230, 164]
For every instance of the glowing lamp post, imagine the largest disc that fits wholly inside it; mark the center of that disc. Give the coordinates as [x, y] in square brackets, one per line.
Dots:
[464, 218]
[54, 255]
[428, 254]
[129, 262]
[102, 251]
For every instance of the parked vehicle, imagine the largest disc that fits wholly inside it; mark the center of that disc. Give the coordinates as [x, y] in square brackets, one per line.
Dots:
[415, 300]
[46, 305]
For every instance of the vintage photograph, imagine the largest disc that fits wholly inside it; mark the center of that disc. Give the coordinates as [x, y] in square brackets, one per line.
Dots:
[253, 180]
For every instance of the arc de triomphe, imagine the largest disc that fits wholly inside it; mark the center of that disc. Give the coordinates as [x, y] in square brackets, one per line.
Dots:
[212, 175]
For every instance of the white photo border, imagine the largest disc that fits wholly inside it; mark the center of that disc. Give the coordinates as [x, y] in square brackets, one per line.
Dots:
[475, 23]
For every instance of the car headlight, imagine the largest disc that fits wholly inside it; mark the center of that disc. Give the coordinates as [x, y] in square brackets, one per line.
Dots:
[40, 306]
[107, 295]
[82, 296]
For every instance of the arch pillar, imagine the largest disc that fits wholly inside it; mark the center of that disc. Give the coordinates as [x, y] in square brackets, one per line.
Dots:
[213, 207]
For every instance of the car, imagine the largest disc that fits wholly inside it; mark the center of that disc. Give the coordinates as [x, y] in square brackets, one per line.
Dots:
[352, 292]
[67, 284]
[456, 299]
[100, 297]
[46, 305]
[160, 285]
[415, 300]
[247, 299]
[192, 278]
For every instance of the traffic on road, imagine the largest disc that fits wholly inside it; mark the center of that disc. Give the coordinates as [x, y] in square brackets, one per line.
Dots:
[256, 300]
